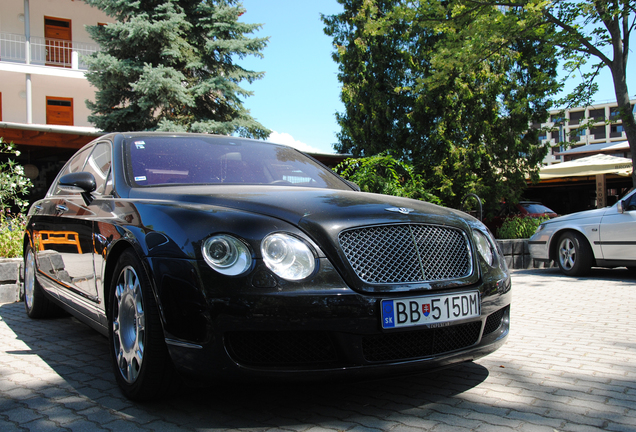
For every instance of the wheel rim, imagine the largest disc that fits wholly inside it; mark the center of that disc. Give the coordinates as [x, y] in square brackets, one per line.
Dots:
[129, 325]
[567, 253]
[29, 279]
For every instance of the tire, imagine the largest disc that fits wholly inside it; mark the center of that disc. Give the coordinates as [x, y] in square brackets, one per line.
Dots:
[138, 351]
[574, 254]
[36, 303]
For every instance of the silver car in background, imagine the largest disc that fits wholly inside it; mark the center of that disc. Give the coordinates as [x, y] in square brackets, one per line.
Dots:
[594, 238]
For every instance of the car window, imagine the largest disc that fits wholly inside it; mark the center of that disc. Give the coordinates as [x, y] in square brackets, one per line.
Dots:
[75, 164]
[536, 208]
[154, 161]
[98, 164]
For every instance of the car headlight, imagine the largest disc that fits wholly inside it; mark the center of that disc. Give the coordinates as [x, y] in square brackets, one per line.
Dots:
[287, 256]
[227, 255]
[484, 246]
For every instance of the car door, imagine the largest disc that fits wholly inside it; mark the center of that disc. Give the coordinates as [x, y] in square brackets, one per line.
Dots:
[54, 239]
[618, 231]
[64, 229]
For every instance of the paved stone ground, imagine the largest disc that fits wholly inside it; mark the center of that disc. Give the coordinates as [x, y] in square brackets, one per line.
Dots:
[569, 365]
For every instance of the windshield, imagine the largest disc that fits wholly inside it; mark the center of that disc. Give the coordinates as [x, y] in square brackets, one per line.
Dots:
[154, 161]
[536, 208]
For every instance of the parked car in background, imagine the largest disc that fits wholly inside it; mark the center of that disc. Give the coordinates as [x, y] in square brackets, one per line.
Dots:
[603, 237]
[532, 209]
[222, 257]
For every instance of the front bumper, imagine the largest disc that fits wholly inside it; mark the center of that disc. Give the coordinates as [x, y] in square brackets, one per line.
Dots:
[319, 329]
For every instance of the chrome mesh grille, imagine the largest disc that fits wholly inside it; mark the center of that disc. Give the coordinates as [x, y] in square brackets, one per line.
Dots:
[407, 253]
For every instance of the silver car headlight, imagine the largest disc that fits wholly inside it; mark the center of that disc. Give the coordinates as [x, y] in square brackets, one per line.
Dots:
[485, 247]
[227, 254]
[287, 256]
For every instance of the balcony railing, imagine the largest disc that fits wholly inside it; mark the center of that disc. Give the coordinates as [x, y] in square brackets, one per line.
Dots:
[46, 51]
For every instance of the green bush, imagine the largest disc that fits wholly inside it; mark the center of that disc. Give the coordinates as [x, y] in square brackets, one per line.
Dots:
[13, 187]
[519, 227]
[11, 234]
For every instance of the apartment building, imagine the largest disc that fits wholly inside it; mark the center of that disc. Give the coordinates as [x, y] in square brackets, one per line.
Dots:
[587, 130]
[43, 87]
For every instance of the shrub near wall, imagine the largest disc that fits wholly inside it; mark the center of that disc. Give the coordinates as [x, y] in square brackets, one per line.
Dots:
[11, 234]
[512, 238]
[519, 227]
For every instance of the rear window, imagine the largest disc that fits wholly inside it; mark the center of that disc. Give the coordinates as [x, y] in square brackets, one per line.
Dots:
[536, 208]
[154, 161]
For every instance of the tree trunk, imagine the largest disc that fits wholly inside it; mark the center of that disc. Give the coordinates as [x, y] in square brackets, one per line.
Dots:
[626, 112]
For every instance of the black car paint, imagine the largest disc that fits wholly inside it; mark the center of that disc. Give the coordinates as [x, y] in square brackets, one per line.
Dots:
[166, 227]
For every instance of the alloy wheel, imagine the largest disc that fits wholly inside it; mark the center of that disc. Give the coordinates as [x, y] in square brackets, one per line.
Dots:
[567, 253]
[129, 324]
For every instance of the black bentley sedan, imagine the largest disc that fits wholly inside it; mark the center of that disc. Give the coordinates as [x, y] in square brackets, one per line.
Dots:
[215, 257]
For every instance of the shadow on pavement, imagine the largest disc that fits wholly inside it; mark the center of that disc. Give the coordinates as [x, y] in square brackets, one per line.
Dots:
[596, 273]
[79, 355]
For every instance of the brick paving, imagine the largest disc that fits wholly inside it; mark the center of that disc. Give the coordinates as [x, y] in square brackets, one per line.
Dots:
[569, 365]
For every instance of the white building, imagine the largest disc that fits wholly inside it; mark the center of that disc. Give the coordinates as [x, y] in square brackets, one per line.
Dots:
[596, 126]
[43, 87]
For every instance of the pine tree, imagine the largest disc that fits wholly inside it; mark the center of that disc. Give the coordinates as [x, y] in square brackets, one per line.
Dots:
[171, 65]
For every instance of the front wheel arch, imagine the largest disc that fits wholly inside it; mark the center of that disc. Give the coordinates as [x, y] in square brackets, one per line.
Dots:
[112, 259]
[573, 253]
[136, 337]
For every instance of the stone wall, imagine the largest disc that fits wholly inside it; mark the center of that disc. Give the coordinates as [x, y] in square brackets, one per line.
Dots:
[10, 279]
[517, 255]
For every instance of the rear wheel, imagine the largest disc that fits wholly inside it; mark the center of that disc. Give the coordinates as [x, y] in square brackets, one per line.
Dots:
[36, 303]
[138, 351]
[575, 256]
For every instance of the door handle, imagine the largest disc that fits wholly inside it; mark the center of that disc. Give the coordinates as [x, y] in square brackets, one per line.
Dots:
[61, 208]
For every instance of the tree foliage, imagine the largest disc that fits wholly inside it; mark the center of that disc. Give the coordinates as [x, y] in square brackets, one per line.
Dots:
[171, 65]
[422, 79]
[384, 174]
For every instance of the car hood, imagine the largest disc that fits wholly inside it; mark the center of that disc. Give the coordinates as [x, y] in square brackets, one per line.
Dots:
[337, 209]
[587, 214]
[322, 214]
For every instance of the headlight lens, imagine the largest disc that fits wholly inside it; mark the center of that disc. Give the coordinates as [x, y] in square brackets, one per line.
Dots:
[287, 256]
[484, 246]
[227, 255]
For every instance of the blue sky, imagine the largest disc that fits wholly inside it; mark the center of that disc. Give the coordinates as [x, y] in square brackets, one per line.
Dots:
[300, 93]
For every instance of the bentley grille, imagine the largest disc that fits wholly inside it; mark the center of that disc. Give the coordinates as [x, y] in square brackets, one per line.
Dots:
[407, 253]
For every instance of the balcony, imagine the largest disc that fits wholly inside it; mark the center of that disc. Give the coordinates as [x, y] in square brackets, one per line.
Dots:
[45, 51]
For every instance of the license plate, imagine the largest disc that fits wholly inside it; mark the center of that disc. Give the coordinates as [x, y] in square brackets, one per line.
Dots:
[430, 309]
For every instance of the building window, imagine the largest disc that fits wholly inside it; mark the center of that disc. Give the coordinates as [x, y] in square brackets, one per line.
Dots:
[597, 114]
[615, 114]
[576, 117]
[616, 131]
[556, 119]
[598, 132]
[59, 111]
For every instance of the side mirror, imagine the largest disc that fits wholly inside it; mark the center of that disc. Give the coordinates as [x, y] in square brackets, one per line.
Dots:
[620, 206]
[79, 182]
